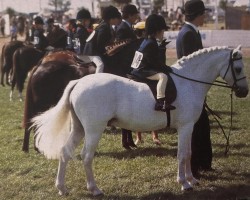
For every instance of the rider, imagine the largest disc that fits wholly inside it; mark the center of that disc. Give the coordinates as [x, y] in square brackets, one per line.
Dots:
[103, 35]
[40, 41]
[149, 64]
[83, 20]
[124, 30]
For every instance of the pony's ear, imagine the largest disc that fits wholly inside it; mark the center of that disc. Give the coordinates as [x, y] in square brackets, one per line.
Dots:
[236, 51]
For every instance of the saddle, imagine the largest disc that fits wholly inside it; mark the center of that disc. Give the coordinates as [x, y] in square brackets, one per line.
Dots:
[170, 92]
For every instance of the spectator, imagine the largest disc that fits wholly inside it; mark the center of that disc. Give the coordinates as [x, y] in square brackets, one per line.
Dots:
[2, 25]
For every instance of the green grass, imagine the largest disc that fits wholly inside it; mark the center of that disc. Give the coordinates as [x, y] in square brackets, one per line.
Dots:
[148, 172]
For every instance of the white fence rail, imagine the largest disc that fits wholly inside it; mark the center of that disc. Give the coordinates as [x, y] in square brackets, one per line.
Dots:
[231, 38]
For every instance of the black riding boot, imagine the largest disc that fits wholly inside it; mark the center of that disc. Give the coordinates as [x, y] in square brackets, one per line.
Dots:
[161, 105]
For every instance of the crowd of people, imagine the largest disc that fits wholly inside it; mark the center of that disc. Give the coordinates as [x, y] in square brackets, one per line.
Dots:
[90, 43]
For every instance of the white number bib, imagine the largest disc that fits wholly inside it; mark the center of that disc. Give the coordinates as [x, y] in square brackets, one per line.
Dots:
[36, 40]
[137, 60]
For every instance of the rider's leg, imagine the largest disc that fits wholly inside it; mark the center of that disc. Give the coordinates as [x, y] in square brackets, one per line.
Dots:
[99, 63]
[161, 87]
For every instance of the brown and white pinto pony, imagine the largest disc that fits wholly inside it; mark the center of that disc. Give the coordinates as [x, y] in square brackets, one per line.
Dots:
[47, 82]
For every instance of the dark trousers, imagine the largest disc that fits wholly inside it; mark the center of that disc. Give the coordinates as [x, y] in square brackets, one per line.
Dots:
[201, 158]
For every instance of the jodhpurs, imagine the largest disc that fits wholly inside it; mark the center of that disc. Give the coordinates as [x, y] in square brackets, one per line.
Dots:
[161, 85]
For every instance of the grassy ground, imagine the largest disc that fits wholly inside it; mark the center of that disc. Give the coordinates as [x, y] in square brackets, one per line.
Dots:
[148, 172]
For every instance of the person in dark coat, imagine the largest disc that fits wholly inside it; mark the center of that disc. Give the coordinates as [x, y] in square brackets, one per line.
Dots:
[124, 30]
[189, 41]
[71, 31]
[40, 41]
[101, 37]
[56, 35]
[83, 20]
[149, 62]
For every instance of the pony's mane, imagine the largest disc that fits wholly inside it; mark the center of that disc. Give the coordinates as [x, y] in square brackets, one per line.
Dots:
[200, 52]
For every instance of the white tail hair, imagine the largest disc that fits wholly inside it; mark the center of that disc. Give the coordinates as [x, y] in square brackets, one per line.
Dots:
[52, 128]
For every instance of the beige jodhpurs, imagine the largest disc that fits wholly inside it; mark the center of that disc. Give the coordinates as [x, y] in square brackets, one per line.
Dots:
[161, 85]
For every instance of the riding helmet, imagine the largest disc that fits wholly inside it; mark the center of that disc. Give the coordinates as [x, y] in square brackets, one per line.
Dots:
[110, 12]
[155, 23]
[83, 14]
[38, 20]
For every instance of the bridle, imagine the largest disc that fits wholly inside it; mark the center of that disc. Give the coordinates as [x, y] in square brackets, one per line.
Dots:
[231, 66]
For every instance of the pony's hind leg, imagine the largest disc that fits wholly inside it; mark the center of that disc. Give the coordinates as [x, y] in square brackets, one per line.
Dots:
[67, 151]
[92, 138]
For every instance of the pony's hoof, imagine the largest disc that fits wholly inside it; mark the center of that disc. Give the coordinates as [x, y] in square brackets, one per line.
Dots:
[63, 192]
[98, 193]
[188, 189]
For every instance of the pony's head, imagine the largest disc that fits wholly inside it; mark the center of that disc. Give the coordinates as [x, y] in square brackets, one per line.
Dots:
[234, 73]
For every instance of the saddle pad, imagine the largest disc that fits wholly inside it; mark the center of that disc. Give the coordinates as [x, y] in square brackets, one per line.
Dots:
[170, 93]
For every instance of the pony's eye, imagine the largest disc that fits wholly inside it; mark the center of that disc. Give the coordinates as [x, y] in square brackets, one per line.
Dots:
[238, 70]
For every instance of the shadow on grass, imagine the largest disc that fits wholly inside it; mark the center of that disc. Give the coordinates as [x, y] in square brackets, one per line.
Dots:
[234, 192]
[140, 152]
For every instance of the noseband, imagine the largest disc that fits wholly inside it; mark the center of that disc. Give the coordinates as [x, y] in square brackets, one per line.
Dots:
[231, 66]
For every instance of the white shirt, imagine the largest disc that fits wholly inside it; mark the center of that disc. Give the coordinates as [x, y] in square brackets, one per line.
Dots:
[195, 27]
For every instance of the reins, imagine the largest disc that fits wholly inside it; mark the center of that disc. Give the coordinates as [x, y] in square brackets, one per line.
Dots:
[221, 84]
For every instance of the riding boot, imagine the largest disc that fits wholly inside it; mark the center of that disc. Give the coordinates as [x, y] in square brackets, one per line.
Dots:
[126, 139]
[130, 140]
[169, 107]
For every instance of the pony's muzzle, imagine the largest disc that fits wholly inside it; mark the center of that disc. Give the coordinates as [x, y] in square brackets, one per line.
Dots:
[241, 92]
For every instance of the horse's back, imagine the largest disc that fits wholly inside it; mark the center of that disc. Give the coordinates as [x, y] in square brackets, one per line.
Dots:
[104, 97]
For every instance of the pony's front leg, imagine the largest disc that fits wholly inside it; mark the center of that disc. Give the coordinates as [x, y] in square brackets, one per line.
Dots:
[185, 176]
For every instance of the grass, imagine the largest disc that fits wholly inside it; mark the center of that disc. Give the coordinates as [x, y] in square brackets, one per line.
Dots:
[148, 172]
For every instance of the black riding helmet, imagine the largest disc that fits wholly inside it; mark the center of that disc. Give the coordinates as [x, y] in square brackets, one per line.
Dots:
[83, 14]
[110, 12]
[155, 23]
[38, 20]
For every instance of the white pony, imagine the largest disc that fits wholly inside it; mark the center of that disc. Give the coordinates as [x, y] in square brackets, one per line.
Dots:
[90, 103]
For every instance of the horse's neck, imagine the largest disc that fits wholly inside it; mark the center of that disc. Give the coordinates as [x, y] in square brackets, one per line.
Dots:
[205, 68]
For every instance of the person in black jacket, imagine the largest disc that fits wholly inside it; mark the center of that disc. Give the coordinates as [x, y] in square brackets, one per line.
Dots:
[83, 20]
[101, 37]
[149, 62]
[188, 41]
[124, 30]
[71, 31]
[40, 41]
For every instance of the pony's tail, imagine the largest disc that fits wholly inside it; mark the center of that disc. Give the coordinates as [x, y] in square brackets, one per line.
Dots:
[52, 128]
